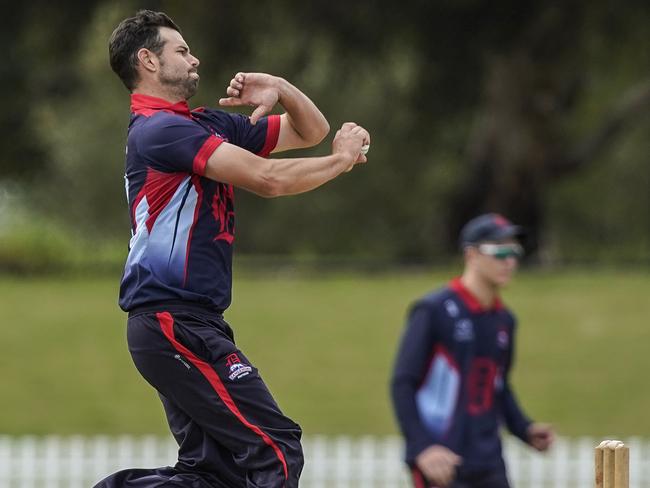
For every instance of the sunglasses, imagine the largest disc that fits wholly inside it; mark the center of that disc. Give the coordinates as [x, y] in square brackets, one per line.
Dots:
[502, 251]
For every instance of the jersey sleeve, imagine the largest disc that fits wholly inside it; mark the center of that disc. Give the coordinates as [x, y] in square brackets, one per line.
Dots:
[514, 417]
[413, 356]
[260, 138]
[175, 144]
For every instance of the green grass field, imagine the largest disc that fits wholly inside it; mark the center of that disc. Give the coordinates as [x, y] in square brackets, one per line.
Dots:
[325, 346]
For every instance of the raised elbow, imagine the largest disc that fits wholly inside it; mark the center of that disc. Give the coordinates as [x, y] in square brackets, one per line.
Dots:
[316, 135]
[322, 132]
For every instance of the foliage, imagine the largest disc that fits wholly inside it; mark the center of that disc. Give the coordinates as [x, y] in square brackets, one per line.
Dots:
[418, 76]
[85, 137]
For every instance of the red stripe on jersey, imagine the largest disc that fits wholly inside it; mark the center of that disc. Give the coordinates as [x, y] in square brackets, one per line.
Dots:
[272, 134]
[201, 158]
[167, 325]
[470, 300]
[158, 189]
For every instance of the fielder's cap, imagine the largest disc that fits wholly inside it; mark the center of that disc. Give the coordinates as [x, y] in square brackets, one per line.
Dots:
[488, 227]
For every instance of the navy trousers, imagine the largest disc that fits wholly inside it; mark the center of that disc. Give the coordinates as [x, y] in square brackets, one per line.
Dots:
[229, 430]
[493, 478]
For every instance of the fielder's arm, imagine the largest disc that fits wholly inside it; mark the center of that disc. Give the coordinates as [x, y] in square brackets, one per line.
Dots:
[411, 362]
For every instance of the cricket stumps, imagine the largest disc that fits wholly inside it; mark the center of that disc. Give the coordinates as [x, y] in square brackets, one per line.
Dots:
[612, 460]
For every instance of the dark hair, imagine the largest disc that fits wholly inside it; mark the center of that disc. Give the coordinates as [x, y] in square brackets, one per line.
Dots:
[133, 34]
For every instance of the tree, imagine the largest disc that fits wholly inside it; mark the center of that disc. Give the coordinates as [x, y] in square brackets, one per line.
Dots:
[519, 107]
[40, 65]
[532, 89]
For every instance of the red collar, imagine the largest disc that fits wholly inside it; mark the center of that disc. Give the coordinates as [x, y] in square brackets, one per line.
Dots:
[147, 105]
[470, 300]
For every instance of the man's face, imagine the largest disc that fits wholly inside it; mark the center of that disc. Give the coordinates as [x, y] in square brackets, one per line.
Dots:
[495, 261]
[178, 68]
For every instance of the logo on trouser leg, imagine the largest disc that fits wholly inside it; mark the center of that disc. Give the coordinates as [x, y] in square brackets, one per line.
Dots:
[179, 357]
[237, 369]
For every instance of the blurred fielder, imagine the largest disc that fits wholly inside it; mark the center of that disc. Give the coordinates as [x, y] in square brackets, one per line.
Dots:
[181, 166]
[450, 384]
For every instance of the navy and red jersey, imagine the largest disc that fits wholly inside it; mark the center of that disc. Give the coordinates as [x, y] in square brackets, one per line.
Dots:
[183, 224]
[450, 380]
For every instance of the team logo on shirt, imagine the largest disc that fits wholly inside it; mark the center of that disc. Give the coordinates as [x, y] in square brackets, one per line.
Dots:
[451, 307]
[237, 369]
[220, 136]
[223, 210]
[503, 339]
[464, 330]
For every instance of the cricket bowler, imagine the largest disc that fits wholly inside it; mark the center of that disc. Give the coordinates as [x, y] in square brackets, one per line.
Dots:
[181, 169]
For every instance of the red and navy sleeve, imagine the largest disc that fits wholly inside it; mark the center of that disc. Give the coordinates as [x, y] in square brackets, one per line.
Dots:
[411, 364]
[174, 144]
[513, 415]
[260, 138]
[237, 129]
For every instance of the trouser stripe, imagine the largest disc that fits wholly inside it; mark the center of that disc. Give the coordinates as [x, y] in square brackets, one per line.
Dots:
[167, 325]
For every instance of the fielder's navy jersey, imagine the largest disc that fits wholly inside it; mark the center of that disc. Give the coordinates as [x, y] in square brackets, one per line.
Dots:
[450, 380]
[183, 224]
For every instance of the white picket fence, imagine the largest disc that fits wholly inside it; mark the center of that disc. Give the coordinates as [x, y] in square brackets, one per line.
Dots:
[331, 462]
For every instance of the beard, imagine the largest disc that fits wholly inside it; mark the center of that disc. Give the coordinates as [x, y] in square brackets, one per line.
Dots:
[180, 84]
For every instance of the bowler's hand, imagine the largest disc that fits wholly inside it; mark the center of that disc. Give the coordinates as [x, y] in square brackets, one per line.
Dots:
[540, 436]
[348, 141]
[257, 90]
[438, 464]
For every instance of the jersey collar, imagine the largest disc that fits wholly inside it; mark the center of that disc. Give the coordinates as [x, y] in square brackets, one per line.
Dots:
[470, 300]
[147, 105]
